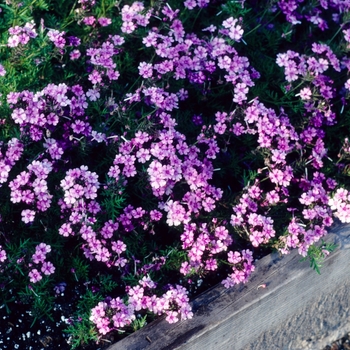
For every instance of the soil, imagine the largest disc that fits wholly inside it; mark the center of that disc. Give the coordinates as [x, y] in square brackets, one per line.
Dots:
[17, 331]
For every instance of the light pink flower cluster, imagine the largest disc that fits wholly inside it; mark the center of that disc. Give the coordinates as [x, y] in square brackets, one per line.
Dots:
[233, 30]
[133, 16]
[170, 161]
[57, 38]
[102, 59]
[298, 66]
[42, 113]
[8, 157]
[123, 315]
[340, 204]
[80, 189]
[21, 35]
[242, 266]
[184, 55]
[204, 244]
[39, 259]
[114, 313]
[30, 187]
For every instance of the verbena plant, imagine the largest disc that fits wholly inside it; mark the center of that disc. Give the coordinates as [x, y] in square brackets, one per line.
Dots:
[149, 146]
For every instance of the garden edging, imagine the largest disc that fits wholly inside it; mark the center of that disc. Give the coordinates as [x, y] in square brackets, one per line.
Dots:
[298, 309]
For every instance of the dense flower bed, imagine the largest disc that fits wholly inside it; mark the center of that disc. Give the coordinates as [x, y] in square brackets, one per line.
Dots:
[149, 150]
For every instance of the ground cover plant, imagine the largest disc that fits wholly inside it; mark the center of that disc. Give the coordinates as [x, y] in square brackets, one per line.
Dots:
[152, 149]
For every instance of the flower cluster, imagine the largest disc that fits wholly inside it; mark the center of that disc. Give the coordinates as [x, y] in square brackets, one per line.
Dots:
[80, 190]
[30, 187]
[57, 38]
[175, 303]
[184, 55]
[134, 16]
[340, 204]
[21, 35]
[204, 245]
[242, 266]
[42, 113]
[39, 261]
[14, 149]
[296, 11]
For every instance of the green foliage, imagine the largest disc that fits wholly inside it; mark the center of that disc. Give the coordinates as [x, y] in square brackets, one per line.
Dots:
[80, 269]
[81, 333]
[139, 323]
[106, 283]
[249, 177]
[114, 197]
[174, 258]
[40, 299]
[317, 254]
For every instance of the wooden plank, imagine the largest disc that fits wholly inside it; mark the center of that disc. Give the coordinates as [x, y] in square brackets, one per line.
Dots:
[248, 317]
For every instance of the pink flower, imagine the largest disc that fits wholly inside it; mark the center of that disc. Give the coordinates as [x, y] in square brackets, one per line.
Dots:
[172, 316]
[35, 276]
[145, 70]
[13, 41]
[74, 55]
[2, 70]
[28, 215]
[104, 21]
[347, 85]
[128, 27]
[3, 255]
[234, 257]
[305, 93]
[211, 264]
[190, 4]
[43, 248]
[19, 116]
[38, 257]
[95, 77]
[89, 21]
[47, 268]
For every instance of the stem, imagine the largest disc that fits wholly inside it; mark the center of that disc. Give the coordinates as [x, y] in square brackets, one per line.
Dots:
[194, 21]
[336, 33]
